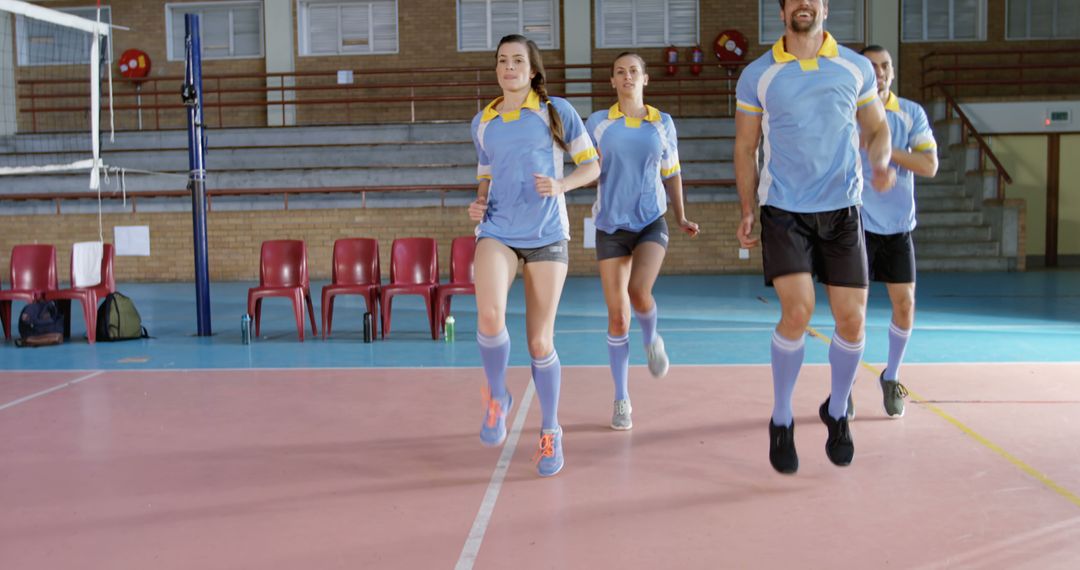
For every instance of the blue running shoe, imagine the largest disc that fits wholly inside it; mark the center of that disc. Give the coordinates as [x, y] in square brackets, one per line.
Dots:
[493, 430]
[549, 457]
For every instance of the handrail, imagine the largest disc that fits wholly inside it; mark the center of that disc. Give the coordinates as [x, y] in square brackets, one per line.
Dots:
[984, 149]
[58, 197]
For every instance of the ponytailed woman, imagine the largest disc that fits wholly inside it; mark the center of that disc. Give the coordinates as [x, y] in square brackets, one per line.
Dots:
[521, 139]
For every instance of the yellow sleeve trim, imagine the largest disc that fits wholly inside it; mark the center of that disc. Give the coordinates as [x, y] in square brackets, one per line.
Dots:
[668, 173]
[930, 145]
[749, 108]
[866, 100]
[586, 156]
[483, 177]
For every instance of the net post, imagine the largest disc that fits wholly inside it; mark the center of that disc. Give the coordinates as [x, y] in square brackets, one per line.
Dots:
[192, 95]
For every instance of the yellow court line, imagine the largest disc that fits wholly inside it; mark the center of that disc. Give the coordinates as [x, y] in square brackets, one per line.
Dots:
[1017, 462]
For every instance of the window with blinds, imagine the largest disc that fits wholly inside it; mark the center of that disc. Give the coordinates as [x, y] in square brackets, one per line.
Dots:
[646, 23]
[943, 20]
[42, 43]
[1043, 20]
[845, 23]
[346, 28]
[482, 23]
[229, 29]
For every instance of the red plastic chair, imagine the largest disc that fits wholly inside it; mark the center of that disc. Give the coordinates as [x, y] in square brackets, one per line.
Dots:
[88, 297]
[33, 273]
[462, 251]
[414, 270]
[283, 273]
[355, 272]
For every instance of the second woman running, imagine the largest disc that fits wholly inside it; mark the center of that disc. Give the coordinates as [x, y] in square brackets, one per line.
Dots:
[640, 171]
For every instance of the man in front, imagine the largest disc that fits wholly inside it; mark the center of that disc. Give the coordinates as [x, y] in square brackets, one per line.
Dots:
[806, 102]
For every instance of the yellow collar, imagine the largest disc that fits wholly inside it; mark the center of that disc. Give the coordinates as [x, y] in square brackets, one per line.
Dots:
[532, 101]
[828, 49]
[892, 103]
[652, 115]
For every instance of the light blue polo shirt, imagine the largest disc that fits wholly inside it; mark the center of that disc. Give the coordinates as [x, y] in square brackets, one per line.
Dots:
[893, 211]
[511, 147]
[637, 156]
[810, 137]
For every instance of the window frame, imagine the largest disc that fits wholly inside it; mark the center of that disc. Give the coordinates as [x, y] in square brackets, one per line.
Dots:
[980, 26]
[302, 31]
[258, 4]
[601, 38]
[1028, 25]
[860, 6]
[22, 47]
[493, 42]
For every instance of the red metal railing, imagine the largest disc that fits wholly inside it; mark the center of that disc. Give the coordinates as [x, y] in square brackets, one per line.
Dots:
[1002, 73]
[375, 96]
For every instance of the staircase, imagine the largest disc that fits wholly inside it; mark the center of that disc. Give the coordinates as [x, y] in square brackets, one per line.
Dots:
[959, 229]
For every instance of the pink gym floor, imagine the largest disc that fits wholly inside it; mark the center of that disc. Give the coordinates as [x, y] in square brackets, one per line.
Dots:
[382, 468]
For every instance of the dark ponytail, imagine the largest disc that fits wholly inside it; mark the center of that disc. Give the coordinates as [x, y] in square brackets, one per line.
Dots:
[536, 63]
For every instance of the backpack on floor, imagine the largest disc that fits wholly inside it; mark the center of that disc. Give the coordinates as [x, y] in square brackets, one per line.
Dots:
[41, 324]
[117, 319]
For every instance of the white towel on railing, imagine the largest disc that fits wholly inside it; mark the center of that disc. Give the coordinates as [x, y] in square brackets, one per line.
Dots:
[86, 263]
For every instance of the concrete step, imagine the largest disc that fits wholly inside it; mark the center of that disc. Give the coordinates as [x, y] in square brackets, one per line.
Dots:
[935, 190]
[956, 248]
[962, 264]
[924, 234]
[945, 204]
[951, 219]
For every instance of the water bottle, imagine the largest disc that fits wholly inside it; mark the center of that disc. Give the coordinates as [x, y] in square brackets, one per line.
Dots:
[449, 335]
[245, 328]
[367, 327]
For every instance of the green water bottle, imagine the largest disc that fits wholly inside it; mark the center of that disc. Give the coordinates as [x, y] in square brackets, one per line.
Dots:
[449, 334]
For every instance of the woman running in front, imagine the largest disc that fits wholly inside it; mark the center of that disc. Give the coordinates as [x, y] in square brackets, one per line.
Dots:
[520, 139]
[640, 172]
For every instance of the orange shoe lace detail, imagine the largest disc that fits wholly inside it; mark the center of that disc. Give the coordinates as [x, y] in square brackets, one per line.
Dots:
[547, 447]
[494, 407]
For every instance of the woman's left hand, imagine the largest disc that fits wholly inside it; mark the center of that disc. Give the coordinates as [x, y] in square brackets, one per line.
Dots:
[689, 227]
[546, 186]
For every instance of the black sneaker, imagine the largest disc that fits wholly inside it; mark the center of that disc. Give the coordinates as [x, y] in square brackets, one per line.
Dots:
[782, 448]
[839, 447]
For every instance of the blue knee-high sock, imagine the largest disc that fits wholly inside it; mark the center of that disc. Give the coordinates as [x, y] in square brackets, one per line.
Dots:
[618, 349]
[547, 376]
[898, 339]
[844, 359]
[648, 325]
[495, 354]
[787, 359]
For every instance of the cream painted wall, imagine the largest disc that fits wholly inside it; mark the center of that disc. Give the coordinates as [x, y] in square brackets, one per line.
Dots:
[1024, 157]
[1069, 206]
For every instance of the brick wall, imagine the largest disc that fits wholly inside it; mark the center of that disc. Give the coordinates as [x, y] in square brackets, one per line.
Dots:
[234, 239]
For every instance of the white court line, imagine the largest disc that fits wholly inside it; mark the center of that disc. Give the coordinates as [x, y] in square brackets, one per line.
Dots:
[14, 403]
[487, 506]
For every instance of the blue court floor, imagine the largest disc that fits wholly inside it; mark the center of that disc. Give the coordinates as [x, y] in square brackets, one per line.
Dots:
[705, 320]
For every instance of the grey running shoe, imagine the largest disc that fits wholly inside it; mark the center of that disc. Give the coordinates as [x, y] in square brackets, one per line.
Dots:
[658, 361]
[620, 419]
[893, 394]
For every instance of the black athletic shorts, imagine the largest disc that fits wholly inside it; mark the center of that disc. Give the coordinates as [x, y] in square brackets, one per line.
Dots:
[891, 258]
[622, 242]
[828, 245]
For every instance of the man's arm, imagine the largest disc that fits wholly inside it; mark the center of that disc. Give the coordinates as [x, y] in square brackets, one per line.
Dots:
[747, 139]
[875, 134]
[921, 163]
